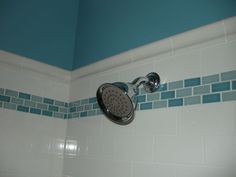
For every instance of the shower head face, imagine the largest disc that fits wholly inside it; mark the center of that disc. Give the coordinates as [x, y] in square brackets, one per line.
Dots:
[116, 103]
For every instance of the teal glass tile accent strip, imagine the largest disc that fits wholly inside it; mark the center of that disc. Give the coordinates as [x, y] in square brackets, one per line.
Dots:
[9, 106]
[211, 98]
[192, 82]
[210, 79]
[11, 93]
[144, 106]
[167, 95]
[176, 85]
[234, 84]
[221, 87]
[192, 100]
[199, 90]
[230, 75]
[22, 108]
[35, 111]
[184, 92]
[24, 96]
[175, 102]
[4, 98]
[159, 104]
[229, 96]
[48, 101]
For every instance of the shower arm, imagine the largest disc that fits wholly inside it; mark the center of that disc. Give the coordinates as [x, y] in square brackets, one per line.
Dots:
[140, 80]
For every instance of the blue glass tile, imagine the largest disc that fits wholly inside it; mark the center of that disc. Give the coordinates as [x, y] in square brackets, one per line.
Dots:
[1, 104]
[83, 114]
[17, 101]
[175, 102]
[65, 116]
[71, 104]
[41, 106]
[22, 108]
[184, 92]
[145, 106]
[11, 93]
[229, 96]
[29, 103]
[69, 116]
[99, 112]
[211, 98]
[228, 75]
[88, 107]
[24, 96]
[176, 85]
[9, 106]
[35, 111]
[192, 100]
[92, 113]
[74, 103]
[63, 110]
[58, 115]
[1, 91]
[210, 79]
[84, 101]
[220, 87]
[159, 104]
[76, 115]
[36, 98]
[201, 90]
[162, 87]
[73, 109]
[169, 94]
[192, 82]
[95, 106]
[233, 85]
[59, 103]
[53, 108]
[48, 101]
[93, 100]
[47, 113]
[153, 96]
[66, 105]
[80, 108]
[4, 98]
[141, 98]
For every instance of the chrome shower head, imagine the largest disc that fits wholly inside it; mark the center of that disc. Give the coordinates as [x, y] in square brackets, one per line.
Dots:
[117, 100]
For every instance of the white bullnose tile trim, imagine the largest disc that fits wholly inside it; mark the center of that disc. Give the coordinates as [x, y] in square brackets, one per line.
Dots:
[16, 62]
[218, 31]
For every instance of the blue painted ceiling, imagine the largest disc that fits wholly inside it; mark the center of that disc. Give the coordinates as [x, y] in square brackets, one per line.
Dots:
[72, 34]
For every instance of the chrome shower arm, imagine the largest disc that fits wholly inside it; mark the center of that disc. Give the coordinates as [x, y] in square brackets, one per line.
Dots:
[140, 80]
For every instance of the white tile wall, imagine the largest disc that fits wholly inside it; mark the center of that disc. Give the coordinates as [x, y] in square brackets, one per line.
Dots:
[193, 141]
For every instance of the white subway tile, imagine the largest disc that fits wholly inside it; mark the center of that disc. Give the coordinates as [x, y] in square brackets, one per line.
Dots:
[179, 66]
[157, 121]
[196, 171]
[153, 170]
[210, 119]
[220, 150]
[179, 149]
[219, 58]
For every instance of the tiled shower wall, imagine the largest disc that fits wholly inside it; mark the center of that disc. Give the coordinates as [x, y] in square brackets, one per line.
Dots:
[51, 126]
[31, 145]
[188, 128]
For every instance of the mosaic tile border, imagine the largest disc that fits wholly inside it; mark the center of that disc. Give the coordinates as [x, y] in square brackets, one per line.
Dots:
[199, 90]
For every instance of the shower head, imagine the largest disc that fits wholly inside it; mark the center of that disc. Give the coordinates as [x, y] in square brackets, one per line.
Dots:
[117, 100]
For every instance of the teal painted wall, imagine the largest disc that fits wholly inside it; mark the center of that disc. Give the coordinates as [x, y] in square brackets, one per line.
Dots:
[108, 27]
[40, 29]
[75, 33]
